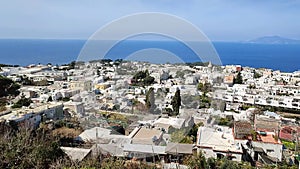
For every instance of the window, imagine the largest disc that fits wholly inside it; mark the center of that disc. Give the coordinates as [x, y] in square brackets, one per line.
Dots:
[270, 151]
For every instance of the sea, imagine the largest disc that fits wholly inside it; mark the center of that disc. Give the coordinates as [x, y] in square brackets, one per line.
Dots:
[283, 57]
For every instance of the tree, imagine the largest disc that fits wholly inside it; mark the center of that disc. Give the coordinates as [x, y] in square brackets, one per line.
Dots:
[256, 75]
[238, 79]
[179, 74]
[176, 102]
[204, 87]
[8, 87]
[28, 149]
[148, 80]
[194, 131]
[26, 81]
[117, 62]
[50, 99]
[142, 78]
[103, 61]
[228, 164]
[2, 104]
[72, 65]
[205, 102]
[180, 136]
[211, 162]
[150, 100]
[22, 102]
[196, 161]
[141, 75]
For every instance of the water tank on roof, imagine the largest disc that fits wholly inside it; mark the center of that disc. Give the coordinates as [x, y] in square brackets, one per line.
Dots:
[263, 133]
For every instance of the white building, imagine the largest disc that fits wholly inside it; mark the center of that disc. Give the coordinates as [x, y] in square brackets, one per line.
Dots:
[218, 143]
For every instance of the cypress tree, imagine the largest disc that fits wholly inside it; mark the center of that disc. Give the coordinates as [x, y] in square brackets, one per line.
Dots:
[176, 102]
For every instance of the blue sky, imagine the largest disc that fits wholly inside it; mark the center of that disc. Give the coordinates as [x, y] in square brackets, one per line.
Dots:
[227, 20]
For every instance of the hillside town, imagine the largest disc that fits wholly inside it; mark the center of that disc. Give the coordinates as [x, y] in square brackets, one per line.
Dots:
[158, 113]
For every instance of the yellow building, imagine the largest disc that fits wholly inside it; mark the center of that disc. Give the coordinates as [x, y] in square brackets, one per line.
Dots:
[102, 86]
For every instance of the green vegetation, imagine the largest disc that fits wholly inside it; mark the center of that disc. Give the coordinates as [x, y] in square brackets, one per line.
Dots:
[198, 161]
[238, 79]
[8, 87]
[246, 107]
[252, 86]
[180, 74]
[256, 75]
[205, 101]
[116, 119]
[22, 102]
[49, 99]
[5, 65]
[224, 121]
[71, 65]
[193, 64]
[150, 100]
[204, 87]
[288, 144]
[176, 103]
[142, 78]
[66, 99]
[181, 136]
[28, 149]
[25, 148]
[279, 109]
[26, 81]
[254, 135]
[2, 104]
[184, 135]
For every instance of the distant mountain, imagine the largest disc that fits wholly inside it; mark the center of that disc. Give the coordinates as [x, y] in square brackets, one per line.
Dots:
[274, 40]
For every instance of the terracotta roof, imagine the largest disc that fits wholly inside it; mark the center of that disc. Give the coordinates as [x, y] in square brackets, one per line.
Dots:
[287, 132]
[269, 138]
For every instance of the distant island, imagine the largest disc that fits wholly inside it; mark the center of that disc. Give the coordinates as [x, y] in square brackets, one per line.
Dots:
[274, 40]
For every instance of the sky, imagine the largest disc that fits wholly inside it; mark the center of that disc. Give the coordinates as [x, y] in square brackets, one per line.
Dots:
[224, 20]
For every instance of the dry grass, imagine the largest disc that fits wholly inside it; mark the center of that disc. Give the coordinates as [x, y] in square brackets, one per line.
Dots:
[66, 132]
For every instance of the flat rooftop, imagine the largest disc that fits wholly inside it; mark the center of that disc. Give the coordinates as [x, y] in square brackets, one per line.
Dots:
[146, 135]
[219, 139]
[175, 122]
[19, 114]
